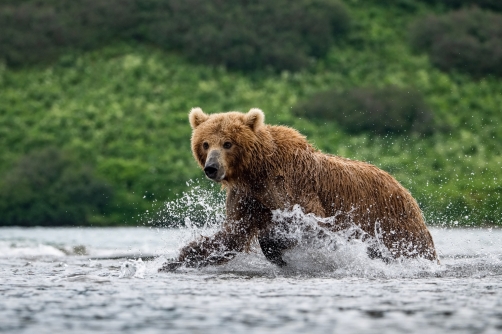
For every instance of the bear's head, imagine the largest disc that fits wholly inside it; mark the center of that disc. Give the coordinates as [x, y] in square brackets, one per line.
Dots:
[226, 144]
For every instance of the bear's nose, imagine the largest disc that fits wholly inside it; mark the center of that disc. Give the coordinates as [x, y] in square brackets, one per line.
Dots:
[211, 171]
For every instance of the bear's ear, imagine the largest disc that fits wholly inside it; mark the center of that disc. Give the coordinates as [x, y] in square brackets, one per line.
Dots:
[197, 117]
[254, 118]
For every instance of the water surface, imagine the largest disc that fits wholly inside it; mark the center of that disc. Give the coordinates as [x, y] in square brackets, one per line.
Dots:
[59, 280]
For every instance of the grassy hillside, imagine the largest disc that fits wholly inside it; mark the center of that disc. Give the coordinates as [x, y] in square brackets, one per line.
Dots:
[123, 109]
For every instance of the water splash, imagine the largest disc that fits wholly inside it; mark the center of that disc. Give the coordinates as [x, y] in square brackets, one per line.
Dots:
[318, 250]
[132, 268]
[203, 206]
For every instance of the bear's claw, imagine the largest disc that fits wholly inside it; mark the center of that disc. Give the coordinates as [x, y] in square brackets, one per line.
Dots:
[170, 266]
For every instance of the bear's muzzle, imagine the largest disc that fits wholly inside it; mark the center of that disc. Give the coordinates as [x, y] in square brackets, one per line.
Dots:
[213, 168]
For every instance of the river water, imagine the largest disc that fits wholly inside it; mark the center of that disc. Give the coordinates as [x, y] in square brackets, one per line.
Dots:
[59, 280]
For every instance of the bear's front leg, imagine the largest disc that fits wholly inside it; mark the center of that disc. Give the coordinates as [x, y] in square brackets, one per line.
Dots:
[245, 217]
[217, 249]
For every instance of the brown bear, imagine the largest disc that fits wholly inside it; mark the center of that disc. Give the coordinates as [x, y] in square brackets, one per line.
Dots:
[266, 168]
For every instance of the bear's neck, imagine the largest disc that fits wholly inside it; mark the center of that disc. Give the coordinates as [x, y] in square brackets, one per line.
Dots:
[275, 153]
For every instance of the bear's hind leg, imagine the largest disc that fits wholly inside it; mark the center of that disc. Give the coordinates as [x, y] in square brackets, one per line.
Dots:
[273, 245]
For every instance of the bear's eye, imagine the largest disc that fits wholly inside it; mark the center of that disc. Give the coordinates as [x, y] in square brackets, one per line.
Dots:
[205, 145]
[227, 145]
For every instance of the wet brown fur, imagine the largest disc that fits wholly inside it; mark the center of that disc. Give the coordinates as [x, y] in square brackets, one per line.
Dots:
[274, 167]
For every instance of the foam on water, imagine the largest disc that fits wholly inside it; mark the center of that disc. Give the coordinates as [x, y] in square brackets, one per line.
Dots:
[26, 250]
[132, 268]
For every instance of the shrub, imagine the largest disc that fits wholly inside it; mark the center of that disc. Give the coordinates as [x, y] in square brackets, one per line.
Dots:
[488, 4]
[468, 40]
[34, 31]
[49, 188]
[380, 111]
[239, 34]
[247, 35]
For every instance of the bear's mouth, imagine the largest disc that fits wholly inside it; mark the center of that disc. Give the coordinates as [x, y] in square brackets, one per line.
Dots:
[216, 176]
[220, 178]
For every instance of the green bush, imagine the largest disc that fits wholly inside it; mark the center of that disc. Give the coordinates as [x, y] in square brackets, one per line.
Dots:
[247, 35]
[380, 111]
[34, 31]
[488, 4]
[241, 34]
[49, 188]
[468, 40]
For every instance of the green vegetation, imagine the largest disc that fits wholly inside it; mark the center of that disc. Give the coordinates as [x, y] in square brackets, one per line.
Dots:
[250, 35]
[239, 34]
[48, 187]
[36, 31]
[489, 4]
[387, 110]
[123, 110]
[468, 40]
